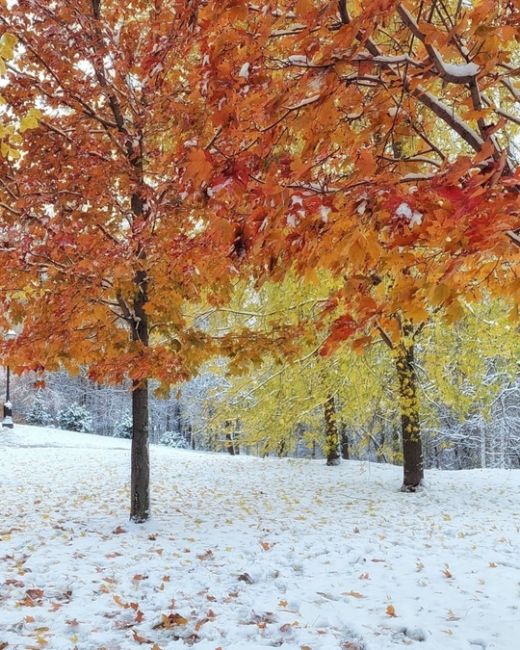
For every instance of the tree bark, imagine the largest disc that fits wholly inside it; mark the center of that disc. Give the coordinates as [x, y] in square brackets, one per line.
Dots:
[140, 472]
[331, 432]
[345, 451]
[140, 458]
[410, 424]
[230, 443]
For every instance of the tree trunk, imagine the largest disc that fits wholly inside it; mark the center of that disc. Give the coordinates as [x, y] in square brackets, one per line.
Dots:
[140, 461]
[140, 474]
[410, 424]
[229, 444]
[7, 422]
[345, 452]
[331, 432]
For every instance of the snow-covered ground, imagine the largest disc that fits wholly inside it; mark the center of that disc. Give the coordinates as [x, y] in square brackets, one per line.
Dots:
[244, 554]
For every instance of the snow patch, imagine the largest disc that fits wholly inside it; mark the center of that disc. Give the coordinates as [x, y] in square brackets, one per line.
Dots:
[461, 69]
[413, 217]
[244, 70]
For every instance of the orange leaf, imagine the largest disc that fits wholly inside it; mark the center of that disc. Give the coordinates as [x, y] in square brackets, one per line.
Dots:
[354, 594]
[303, 7]
[390, 611]
[199, 167]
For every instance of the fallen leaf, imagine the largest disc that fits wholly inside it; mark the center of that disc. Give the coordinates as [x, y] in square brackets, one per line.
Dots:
[390, 611]
[139, 638]
[118, 531]
[171, 620]
[208, 555]
[245, 577]
[354, 594]
[200, 623]
[14, 583]
[452, 616]
[191, 639]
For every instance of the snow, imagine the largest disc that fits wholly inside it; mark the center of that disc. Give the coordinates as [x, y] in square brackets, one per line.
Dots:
[362, 206]
[304, 102]
[251, 553]
[215, 189]
[461, 69]
[413, 217]
[298, 59]
[244, 70]
[324, 213]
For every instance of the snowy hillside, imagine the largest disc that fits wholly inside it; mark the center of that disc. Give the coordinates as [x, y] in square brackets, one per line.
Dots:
[243, 553]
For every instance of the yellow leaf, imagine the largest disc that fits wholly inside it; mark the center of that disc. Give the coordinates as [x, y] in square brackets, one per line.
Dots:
[7, 43]
[30, 121]
[454, 312]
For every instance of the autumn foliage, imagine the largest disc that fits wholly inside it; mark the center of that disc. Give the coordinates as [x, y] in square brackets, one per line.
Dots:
[154, 152]
[370, 139]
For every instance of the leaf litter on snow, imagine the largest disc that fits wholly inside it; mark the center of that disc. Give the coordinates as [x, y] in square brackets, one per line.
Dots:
[244, 553]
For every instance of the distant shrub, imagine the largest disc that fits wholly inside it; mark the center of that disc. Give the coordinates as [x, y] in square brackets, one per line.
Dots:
[173, 439]
[123, 428]
[39, 413]
[75, 418]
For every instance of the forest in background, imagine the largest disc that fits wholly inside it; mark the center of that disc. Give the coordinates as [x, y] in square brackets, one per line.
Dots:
[469, 396]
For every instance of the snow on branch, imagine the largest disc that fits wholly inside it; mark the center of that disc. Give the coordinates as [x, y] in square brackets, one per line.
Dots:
[452, 72]
[448, 115]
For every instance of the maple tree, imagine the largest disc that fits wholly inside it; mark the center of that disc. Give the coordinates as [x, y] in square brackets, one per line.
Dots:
[105, 236]
[373, 140]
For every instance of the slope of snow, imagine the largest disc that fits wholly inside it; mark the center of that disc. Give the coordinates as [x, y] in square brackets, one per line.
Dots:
[244, 554]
